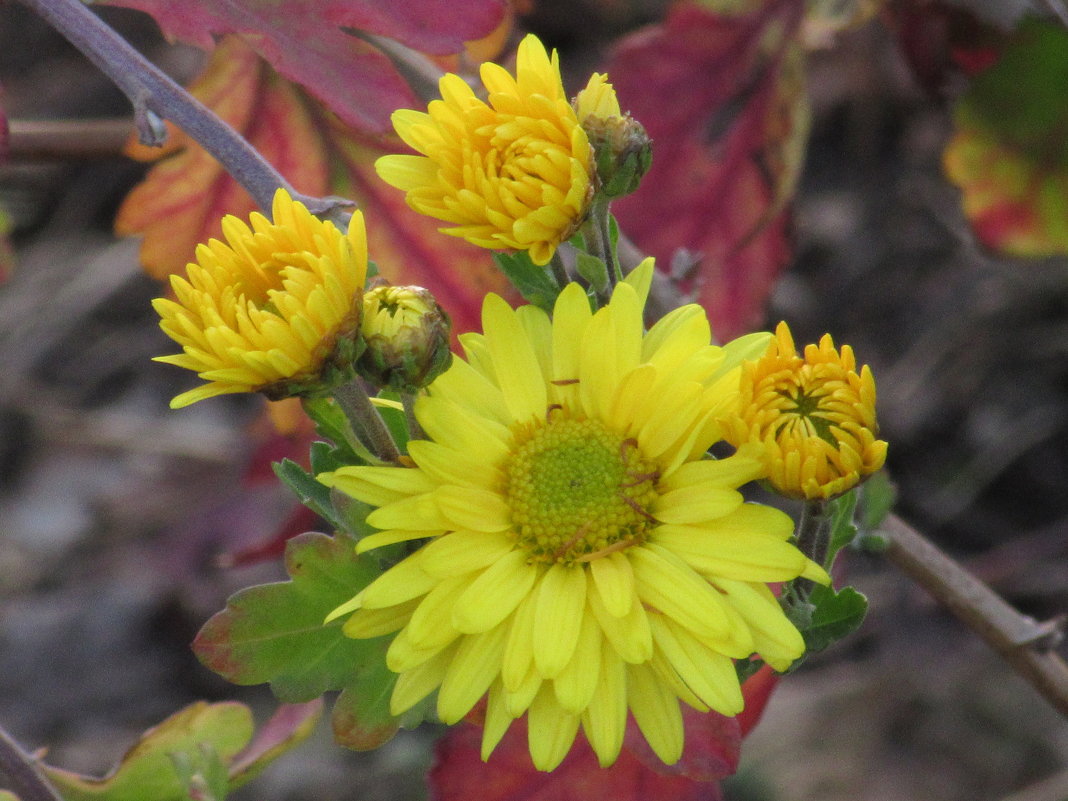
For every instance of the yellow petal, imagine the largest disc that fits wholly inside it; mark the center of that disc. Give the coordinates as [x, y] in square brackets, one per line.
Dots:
[656, 711]
[558, 618]
[495, 594]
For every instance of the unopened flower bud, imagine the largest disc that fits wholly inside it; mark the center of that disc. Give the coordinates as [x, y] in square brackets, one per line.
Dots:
[622, 149]
[406, 334]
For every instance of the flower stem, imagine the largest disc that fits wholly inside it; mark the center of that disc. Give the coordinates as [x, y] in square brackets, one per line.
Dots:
[365, 420]
[1022, 641]
[813, 538]
[556, 263]
[156, 97]
[415, 431]
[23, 778]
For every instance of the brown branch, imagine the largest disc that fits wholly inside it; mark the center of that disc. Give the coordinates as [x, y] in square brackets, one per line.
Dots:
[1025, 643]
[21, 774]
[68, 139]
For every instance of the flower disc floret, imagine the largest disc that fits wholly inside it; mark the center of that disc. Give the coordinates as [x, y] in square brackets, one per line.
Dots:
[576, 491]
[586, 559]
[509, 173]
[275, 308]
[814, 417]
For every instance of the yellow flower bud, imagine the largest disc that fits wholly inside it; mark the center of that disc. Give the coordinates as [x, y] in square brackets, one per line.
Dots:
[814, 417]
[406, 338]
[622, 150]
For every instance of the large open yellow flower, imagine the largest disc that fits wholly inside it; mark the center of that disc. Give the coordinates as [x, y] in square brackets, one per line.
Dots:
[586, 557]
[510, 174]
[272, 308]
[813, 417]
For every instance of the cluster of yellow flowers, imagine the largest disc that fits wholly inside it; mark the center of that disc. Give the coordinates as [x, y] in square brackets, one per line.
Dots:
[585, 558]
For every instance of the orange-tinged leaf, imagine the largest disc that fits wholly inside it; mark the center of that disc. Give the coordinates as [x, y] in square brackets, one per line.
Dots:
[183, 198]
[727, 149]
[1009, 155]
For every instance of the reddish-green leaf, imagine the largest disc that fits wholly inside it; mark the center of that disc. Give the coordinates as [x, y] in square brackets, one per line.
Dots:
[7, 253]
[289, 725]
[275, 633]
[1009, 155]
[304, 41]
[147, 771]
[726, 148]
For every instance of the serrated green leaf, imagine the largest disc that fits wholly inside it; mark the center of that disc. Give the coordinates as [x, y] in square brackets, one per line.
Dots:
[532, 281]
[834, 615]
[311, 493]
[331, 423]
[843, 529]
[147, 771]
[275, 633]
[593, 269]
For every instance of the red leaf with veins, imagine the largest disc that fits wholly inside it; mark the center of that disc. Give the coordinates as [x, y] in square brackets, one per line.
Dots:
[304, 41]
[459, 774]
[723, 99]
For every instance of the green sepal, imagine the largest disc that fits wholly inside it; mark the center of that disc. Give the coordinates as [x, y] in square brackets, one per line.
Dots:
[534, 283]
[835, 614]
[274, 633]
[877, 497]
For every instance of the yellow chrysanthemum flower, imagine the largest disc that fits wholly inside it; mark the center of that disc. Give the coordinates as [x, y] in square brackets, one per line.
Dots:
[273, 309]
[586, 558]
[814, 417]
[513, 174]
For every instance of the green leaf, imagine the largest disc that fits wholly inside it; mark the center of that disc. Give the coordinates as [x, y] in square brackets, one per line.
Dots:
[877, 497]
[201, 773]
[593, 269]
[834, 615]
[843, 529]
[533, 282]
[274, 632]
[331, 423]
[311, 493]
[193, 736]
[6, 796]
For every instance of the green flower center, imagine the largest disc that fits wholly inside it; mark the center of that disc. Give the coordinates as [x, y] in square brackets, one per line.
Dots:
[577, 491]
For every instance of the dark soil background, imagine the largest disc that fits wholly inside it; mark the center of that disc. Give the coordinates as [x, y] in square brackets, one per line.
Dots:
[113, 509]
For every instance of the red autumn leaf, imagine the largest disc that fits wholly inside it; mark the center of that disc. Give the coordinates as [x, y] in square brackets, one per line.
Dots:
[713, 742]
[722, 98]
[304, 41]
[1009, 155]
[459, 774]
[184, 197]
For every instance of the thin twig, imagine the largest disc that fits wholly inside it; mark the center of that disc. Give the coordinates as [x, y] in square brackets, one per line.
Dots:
[20, 773]
[156, 97]
[1024, 642]
[366, 422]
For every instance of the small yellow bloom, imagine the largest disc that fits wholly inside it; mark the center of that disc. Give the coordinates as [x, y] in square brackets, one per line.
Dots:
[513, 174]
[814, 416]
[622, 150]
[274, 309]
[586, 560]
